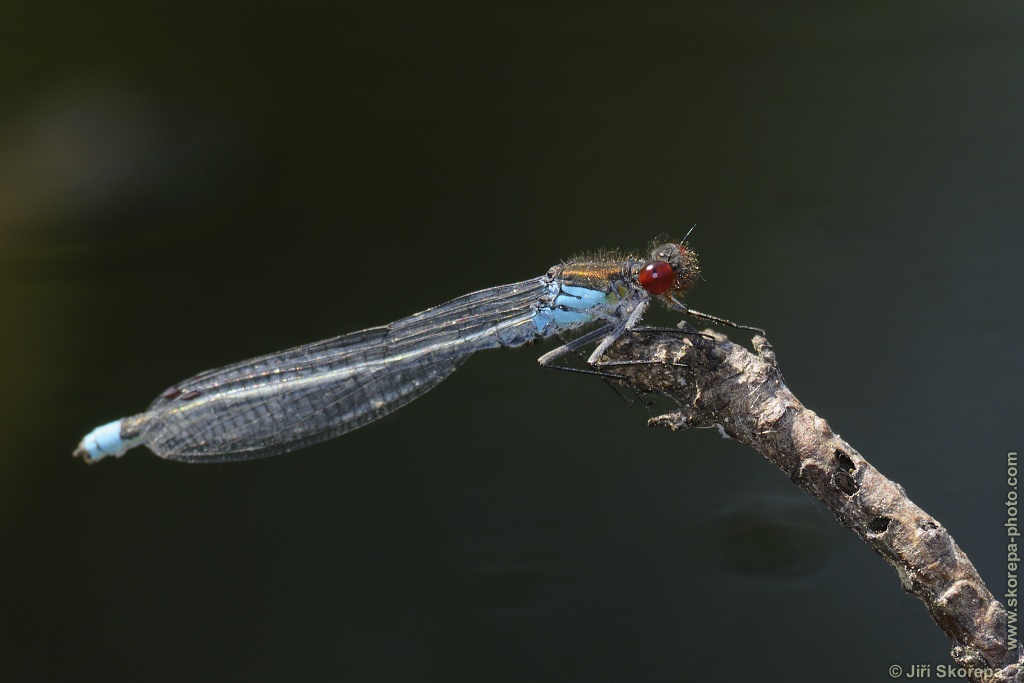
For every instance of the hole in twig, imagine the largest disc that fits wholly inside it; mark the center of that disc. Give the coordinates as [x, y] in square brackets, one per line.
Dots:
[879, 525]
[845, 462]
[843, 478]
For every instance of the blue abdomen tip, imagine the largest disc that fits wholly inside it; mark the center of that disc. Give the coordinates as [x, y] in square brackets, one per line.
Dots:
[103, 441]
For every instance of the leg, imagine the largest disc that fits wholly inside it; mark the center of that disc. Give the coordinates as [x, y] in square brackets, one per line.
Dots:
[680, 306]
[676, 330]
[631, 363]
[575, 344]
[628, 324]
[610, 378]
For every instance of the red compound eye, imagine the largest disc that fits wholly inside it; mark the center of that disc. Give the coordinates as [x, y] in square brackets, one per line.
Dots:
[657, 277]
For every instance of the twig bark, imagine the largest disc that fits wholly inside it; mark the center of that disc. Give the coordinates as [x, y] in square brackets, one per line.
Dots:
[718, 383]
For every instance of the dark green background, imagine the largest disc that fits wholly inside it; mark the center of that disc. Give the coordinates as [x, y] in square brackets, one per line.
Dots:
[184, 185]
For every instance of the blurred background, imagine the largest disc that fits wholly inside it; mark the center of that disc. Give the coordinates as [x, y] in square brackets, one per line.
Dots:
[184, 185]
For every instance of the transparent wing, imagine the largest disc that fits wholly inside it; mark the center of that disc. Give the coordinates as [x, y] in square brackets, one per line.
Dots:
[294, 398]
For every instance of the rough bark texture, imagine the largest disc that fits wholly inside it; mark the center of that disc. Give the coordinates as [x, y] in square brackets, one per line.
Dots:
[720, 383]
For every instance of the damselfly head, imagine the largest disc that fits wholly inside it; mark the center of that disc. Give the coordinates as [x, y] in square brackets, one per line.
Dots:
[672, 269]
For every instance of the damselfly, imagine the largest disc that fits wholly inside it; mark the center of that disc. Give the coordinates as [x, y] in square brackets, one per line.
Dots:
[307, 394]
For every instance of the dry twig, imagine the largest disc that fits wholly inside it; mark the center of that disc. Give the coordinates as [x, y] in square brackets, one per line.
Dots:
[717, 382]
